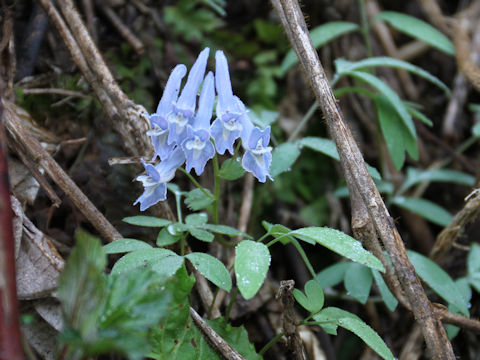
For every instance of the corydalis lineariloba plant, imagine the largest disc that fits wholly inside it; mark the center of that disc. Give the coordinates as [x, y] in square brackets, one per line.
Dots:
[181, 133]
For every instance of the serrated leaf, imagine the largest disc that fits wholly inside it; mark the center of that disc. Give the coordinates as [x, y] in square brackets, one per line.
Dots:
[416, 176]
[384, 61]
[196, 219]
[424, 208]
[390, 301]
[231, 169]
[332, 275]
[136, 301]
[201, 234]
[177, 338]
[283, 157]
[125, 245]
[82, 285]
[340, 243]
[438, 280]
[212, 268]
[313, 299]
[327, 147]
[368, 335]
[163, 261]
[252, 260]
[418, 29]
[236, 337]
[396, 135]
[166, 238]
[225, 230]
[198, 200]
[358, 281]
[320, 36]
[148, 221]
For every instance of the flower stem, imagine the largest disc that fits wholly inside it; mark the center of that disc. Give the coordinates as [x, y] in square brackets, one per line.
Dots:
[216, 190]
[230, 304]
[270, 343]
[195, 182]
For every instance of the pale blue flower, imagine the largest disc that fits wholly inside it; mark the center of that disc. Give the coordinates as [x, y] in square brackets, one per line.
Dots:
[158, 120]
[155, 182]
[258, 155]
[197, 145]
[226, 128]
[184, 108]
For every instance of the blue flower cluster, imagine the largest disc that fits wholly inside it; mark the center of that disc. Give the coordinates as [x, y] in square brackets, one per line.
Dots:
[182, 133]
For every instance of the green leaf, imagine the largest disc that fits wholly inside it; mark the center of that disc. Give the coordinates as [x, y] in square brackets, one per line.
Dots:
[231, 169]
[320, 36]
[328, 318]
[82, 285]
[416, 176]
[263, 118]
[439, 281]
[390, 301]
[327, 147]
[313, 299]
[252, 260]
[332, 275]
[358, 281]
[148, 221]
[283, 157]
[177, 338]
[225, 230]
[368, 335]
[125, 245]
[418, 115]
[383, 61]
[476, 130]
[198, 200]
[135, 303]
[163, 261]
[201, 234]
[236, 337]
[425, 208]
[166, 238]
[389, 94]
[396, 135]
[199, 219]
[419, 30]
[340, 243]
[473, 259]
[212, 269]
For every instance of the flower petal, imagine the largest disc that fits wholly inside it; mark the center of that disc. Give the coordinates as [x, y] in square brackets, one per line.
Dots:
[205, 104]
[170, 93]
[188, 98]
[152, 195]
[198, 150]
[258, 165]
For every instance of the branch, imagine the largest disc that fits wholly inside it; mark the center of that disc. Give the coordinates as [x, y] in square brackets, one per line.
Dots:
[354, 164]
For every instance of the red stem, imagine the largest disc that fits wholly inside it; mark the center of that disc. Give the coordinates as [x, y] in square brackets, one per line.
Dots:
[10, 343]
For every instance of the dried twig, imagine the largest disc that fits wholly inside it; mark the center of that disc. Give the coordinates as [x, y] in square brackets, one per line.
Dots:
[354, 164]
[128, 35]
[449, 234]
[215, 341]
[40, 156]
[289, 324]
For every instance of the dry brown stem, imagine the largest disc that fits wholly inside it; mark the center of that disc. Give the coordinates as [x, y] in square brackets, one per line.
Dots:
[353, 163]
[39, 155]
[214, 340]
[289, 323]
[448, 235]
